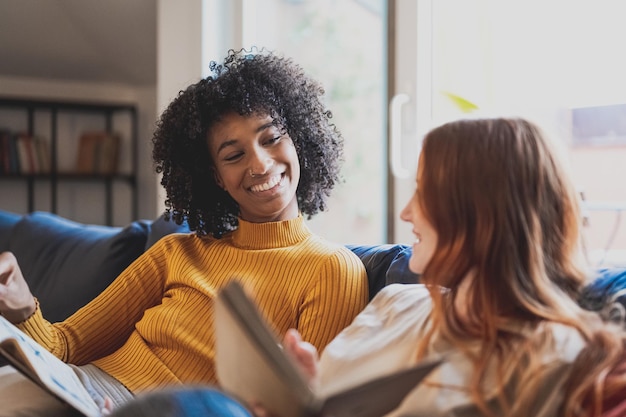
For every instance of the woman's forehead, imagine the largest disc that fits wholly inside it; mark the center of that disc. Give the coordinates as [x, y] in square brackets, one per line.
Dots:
[235, 127]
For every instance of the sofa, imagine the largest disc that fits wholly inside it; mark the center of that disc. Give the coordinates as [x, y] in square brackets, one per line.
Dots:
[67, 263]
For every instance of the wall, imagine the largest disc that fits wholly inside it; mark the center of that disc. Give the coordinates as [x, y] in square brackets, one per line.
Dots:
[179, 57]
[189, 35]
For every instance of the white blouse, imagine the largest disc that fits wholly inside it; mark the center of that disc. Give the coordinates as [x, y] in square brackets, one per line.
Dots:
[383, 339]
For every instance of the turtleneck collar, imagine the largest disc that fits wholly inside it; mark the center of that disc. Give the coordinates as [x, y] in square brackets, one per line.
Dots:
[270, 235]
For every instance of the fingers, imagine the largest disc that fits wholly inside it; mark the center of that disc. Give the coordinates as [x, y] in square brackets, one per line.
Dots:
[291, 339]
[294, 344]
[303, 352]
[107, 408]
[16, 300]
[258, 410]
[7, 266]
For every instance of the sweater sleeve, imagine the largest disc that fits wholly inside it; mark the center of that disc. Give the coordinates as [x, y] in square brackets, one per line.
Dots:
[104, 324]
[334, 300]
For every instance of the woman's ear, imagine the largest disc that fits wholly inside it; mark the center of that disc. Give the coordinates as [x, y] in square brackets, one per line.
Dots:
[217, 178]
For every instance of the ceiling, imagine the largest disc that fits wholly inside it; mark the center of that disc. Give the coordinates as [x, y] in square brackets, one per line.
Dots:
[81, 40]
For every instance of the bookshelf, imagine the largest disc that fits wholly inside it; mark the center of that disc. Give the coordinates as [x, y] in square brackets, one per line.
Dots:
[62, 125]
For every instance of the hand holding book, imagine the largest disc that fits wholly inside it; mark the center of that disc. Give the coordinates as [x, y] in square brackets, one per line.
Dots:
[304, 354]
[279, 381]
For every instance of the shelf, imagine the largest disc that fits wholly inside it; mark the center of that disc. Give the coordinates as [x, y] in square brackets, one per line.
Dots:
[70, 176]
[80, 106]
[34, 108]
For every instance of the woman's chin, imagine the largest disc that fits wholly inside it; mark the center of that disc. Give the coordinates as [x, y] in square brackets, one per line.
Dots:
[415, 268]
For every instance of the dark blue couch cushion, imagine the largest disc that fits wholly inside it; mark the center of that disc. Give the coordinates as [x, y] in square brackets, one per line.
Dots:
[608, 286]
[66, 263]
[8, 220]
[161, 227]
[385, 264]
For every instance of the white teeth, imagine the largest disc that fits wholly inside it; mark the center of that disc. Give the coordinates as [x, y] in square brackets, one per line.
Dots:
[269, 184]
[418, 239]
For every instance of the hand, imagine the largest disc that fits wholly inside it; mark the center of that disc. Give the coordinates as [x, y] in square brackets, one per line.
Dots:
[107, 408]
[304, 353]
[305, 356]
[259, 411]
[16, 301]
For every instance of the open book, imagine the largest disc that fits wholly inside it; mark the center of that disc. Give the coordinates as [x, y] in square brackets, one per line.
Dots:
[45, 369]
[252, 366]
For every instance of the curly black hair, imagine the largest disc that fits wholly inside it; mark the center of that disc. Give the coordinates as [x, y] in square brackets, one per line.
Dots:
[248, 83]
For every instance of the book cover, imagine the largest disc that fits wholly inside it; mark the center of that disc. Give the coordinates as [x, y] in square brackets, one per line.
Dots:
[252, 366]
[15, 167]
[45, 369]
[108, 154]
[98, 153]
[87, 153]
[28, 147]
[24, 151]
[5, 152]
[43, 154]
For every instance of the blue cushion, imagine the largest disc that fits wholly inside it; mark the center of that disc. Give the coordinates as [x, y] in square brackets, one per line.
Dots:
[161, 227]
[605, 288]
[385, 264]
[66, 264]
[7, 221]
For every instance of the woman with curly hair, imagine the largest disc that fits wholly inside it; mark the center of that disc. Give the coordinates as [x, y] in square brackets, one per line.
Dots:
[497, 226]
[244, 86]
[244, 155]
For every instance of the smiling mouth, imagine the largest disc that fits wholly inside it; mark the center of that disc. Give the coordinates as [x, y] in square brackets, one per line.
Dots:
[271, 183]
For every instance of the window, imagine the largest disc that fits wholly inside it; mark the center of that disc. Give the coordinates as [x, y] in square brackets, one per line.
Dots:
[559, 63]
[341, 43]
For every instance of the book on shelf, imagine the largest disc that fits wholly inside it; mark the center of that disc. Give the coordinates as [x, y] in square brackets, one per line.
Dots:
[252, 366]
[22, 153]
[98, 153]
[14, 157]
[29, 163]
[5, 152]
[43, 154]
[44, 369]
[107, 155]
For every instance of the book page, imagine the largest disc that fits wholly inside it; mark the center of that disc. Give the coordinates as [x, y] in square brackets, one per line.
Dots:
[254, 368]
[44, 368]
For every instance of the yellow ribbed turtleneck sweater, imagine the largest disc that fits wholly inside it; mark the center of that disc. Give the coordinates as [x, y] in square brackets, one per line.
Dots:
[153, 326]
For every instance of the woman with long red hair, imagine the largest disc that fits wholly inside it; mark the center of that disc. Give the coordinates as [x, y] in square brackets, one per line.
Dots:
[498, 246]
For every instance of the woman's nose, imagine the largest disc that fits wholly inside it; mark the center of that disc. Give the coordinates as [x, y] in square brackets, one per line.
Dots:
[405, 214]
[260, 163]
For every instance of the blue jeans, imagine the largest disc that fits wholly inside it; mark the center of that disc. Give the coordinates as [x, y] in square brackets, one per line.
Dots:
[182, 402]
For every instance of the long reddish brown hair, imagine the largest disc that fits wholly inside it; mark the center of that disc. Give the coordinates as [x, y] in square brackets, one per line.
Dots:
[507, 214]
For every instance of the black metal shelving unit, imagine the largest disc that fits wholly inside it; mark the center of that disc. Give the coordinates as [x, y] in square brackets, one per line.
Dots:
[54, 177]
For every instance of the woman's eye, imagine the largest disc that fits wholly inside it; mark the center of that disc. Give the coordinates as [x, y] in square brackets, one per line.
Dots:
[273, 140]
[233, 157]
